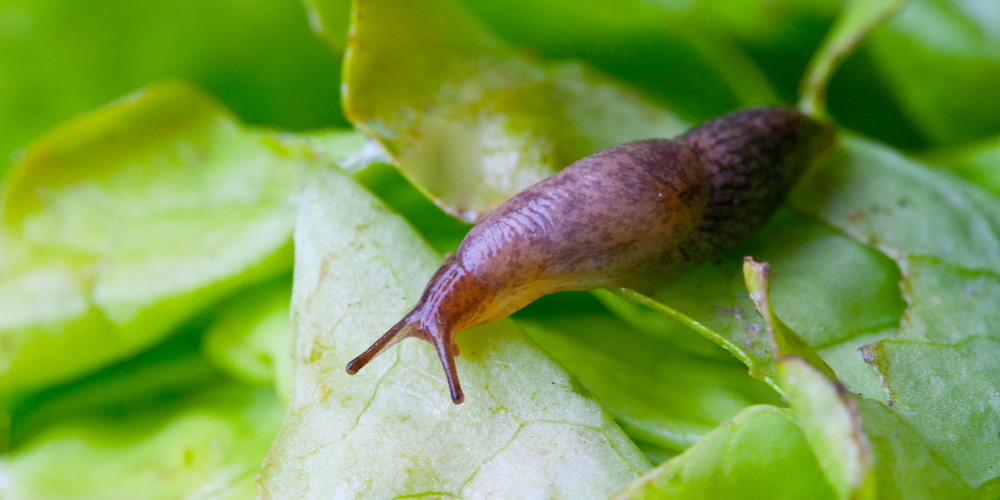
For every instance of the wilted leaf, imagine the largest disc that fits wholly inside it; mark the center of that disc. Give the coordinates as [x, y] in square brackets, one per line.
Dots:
[393, 430]
[476, 122]
[762, 453]
[121, 224]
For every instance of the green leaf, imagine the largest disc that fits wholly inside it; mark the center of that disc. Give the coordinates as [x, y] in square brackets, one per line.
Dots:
[121, 224]
[208, 443]
[762, 453]
[829, 418]
[939, 58]
[476, 122]
[824, 285]
[948, 395]
[250, 338]
[700, 70]
[905, 467]
[858, 18]
[331, 19]
[442, 231]
[392, 430]
[785, 341]
[979, 163]
[949, 304]
[258, 58]
[660, 395]
[901, 206]
[865, 449]
[940, 372]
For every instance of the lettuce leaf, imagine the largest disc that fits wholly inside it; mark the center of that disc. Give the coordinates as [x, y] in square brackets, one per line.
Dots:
[162, 425]
[477, 122]
[121, 224]
[392, 430]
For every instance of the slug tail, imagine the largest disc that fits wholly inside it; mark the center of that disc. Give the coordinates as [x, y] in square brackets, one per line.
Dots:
[399, 331]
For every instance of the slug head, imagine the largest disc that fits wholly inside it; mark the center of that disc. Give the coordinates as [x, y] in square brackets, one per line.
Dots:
[442, 341]
[442, 311]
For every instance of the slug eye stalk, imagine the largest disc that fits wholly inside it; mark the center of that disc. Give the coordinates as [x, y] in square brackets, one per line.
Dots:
[407, 327]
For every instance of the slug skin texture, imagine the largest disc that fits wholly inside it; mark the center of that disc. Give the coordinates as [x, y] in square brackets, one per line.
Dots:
[638, 209]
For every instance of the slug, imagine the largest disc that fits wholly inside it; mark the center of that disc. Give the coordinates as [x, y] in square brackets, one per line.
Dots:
[637, 209]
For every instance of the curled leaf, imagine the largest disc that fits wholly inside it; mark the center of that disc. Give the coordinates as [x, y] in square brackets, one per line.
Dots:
[476, 122]
[786, 342]
[830, 420]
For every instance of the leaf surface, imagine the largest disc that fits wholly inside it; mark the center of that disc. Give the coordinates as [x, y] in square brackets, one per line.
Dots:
[392, 429]
[762, 453]
[477, 122]
[662, 396]
[121, 224]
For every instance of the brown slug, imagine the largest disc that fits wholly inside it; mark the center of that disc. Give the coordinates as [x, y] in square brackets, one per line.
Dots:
[611, 218]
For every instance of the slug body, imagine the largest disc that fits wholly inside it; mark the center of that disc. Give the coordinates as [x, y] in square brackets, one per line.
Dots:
[640, 208]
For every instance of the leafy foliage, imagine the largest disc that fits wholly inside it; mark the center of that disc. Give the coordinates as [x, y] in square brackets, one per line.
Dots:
[146, 247]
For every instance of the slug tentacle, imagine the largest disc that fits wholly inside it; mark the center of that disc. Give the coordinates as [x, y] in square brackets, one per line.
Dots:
[637, 211]
[398, 332]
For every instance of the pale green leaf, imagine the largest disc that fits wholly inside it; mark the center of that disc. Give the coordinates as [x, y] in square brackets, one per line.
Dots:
[119, 225]
[207, 445]
[392, 430]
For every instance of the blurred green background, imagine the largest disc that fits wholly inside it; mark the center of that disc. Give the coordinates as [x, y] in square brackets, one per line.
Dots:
[260, 58]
